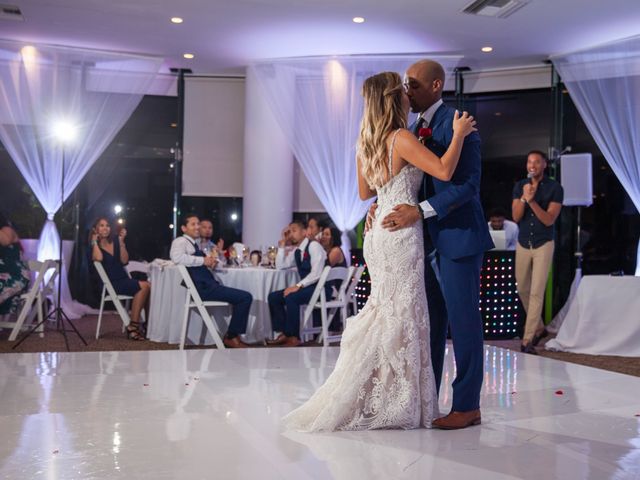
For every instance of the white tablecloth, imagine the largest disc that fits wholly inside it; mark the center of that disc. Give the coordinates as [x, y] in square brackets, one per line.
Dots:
[168, 298]
[603, 318]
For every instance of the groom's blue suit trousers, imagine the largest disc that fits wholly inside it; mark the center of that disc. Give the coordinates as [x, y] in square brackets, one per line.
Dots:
[460, 282]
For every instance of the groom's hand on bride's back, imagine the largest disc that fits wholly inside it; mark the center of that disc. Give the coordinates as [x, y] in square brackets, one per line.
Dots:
[402, 216]
[371, 215]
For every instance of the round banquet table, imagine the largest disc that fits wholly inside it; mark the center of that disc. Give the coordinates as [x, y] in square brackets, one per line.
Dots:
[168, 298]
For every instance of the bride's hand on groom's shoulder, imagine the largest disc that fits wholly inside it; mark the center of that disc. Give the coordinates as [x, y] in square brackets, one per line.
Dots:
[402, 216]
[463, 124]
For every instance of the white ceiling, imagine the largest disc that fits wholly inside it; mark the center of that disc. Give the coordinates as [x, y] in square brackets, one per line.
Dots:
[227, 35]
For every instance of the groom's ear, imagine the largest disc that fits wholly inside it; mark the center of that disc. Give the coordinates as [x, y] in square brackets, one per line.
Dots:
[437, 84]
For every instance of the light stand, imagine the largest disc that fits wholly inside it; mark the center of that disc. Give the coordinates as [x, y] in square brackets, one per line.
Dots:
[58, 312]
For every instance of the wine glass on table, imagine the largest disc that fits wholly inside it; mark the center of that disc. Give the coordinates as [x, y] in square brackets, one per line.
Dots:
[246, 254]
[273, 252]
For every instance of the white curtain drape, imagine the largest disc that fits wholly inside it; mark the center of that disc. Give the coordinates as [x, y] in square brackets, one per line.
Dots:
[318, 104]
[604, 84]
[41, 86]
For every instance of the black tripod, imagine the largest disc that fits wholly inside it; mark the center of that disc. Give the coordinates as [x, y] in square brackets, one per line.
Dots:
[58, 312]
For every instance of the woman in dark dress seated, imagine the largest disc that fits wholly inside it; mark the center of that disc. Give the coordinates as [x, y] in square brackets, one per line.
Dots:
[332, 242]
[14, 272]
[114, 256]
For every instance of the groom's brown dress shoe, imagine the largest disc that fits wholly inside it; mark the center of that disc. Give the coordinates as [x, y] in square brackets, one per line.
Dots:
[234, 342]
[279, 340]
[457, 420]
[292, 342]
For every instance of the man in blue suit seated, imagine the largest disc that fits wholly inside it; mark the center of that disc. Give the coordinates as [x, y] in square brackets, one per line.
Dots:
[456, 237]
[186, 251]
[309, 258]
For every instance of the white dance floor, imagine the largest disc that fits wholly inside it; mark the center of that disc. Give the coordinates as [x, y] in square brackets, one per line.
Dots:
[215, 415]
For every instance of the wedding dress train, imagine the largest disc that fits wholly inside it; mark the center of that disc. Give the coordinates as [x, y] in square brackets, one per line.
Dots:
[383, 377]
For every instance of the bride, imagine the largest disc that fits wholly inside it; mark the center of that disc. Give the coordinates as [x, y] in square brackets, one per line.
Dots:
[383, 377]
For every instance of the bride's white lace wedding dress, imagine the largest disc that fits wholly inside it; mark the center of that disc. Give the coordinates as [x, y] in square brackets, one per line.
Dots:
[383, 377]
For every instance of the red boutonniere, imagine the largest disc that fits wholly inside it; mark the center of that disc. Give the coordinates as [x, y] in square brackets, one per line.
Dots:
[424, 134]
[226, 254]
[306, 256]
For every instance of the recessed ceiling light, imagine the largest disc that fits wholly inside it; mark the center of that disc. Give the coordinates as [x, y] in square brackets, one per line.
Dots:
[176, 20]
[358, 20]
[487, 49]
[498, 114]
[188, 55]
[174, 125]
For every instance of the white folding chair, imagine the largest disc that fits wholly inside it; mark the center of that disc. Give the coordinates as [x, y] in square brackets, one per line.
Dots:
[327, 307]
[109, 295]
[48, 290]
[33, 298]
[134, 266]
[351, 290]
[194, 301]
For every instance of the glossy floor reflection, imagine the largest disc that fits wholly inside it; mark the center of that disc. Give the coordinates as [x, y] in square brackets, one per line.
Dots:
[215, 414]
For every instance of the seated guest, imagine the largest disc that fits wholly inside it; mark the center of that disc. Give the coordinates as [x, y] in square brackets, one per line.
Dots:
[185, 251]
[314, 229]
[498, 221]
[286, 236]
[114, 256]
[309, 257]
[205, 241]
[14, 272]
[331, 240]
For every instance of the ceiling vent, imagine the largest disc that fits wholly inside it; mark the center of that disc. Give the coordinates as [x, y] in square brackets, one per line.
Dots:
[495, 8]
[11, 12]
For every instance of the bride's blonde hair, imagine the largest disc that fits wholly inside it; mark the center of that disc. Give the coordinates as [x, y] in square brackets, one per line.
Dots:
[383, 114]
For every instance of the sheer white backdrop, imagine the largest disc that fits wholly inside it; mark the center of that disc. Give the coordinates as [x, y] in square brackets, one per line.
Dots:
[318, 104]
[604, 84]
[94, 91]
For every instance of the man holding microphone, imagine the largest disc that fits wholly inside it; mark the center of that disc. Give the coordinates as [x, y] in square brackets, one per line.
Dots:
[537, 201]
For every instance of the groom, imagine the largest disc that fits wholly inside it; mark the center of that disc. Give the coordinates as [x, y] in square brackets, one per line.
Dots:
[456, 229]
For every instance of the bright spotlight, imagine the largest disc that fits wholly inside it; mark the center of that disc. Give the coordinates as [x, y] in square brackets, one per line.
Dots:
[64, 131]
[120, 221]
[117, 209]
[234, 217]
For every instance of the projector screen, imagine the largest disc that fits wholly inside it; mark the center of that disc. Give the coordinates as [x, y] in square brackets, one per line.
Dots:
[213, 137]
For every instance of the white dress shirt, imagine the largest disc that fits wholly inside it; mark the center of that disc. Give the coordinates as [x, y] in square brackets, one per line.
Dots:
[182, 252]
[317, 256]
[427, 115]
[511, 231]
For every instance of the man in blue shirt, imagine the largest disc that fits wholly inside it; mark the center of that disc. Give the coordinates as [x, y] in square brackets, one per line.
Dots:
[537, 201]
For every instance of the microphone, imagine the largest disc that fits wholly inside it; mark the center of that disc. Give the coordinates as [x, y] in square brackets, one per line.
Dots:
[530, 176]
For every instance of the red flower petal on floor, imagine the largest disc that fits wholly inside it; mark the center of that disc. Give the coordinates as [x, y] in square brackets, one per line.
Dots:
[186, 384]
[637, 414]
[145, 384]
[513, 393]
[55, 452]
[559, 392]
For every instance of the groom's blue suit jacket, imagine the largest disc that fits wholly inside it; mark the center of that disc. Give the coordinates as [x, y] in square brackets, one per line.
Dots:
[459, 229]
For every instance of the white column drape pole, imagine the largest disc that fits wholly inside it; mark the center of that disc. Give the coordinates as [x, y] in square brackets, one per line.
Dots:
[268, 171]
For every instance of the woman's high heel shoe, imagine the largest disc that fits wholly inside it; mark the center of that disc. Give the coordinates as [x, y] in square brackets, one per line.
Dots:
[539, 336]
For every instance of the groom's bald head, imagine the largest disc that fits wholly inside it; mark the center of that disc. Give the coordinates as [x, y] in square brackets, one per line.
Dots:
[428, 70]
[424, 81]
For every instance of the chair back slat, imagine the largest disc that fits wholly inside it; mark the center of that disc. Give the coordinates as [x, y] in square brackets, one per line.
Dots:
[345, 284]
[192, 291]
[192, 294]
